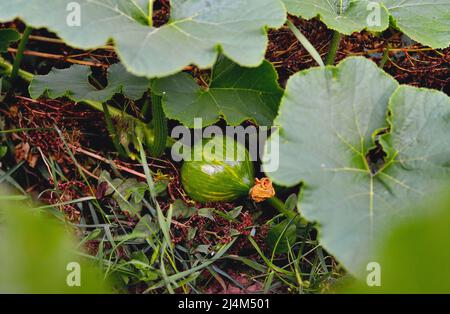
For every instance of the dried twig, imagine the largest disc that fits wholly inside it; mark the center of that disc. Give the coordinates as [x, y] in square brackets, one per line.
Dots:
[59, 57]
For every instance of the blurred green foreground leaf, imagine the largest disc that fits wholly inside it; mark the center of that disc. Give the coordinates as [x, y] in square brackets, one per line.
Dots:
[38, 256]
[415, 257]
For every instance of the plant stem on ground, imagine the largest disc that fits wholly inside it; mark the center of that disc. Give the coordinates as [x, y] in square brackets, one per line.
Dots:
[306, 43]
[334, 46]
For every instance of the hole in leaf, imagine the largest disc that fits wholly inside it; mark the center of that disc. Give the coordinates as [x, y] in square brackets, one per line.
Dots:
[376, 156]
[98, 78]
[161, 12]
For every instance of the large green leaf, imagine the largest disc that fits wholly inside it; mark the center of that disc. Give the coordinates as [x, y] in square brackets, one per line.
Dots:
[195, 33]
[235, 93]
[415, 256]
[427, 22]
[329, 120]
[74, 83]
[345, 16]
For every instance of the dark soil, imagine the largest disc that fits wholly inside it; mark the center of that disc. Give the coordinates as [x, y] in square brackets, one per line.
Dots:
[410, 63]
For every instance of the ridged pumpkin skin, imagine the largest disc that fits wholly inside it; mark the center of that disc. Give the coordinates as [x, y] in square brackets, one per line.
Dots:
[213, 180]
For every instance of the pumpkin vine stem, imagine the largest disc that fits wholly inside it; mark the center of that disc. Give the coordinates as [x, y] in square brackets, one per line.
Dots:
[279, 205]
[150, 13]
[276, 203]
[6, 69]
[159, 124]
[334, 46]
[19, 55]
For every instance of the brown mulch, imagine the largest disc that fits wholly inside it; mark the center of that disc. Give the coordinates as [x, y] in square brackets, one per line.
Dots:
[410, 63]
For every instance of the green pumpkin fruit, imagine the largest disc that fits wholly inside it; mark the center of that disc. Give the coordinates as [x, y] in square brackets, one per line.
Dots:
[218, 174]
